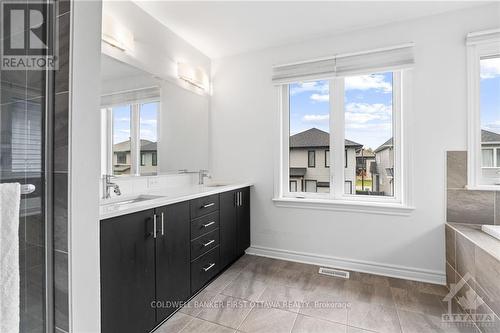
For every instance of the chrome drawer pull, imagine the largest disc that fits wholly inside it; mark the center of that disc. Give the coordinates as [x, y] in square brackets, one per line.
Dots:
[210, 242]
[154, 226]
[208, 205]
[209, 267]
[208, 224]
[162, 224]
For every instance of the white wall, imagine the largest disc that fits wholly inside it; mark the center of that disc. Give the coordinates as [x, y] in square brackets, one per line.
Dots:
[244, 131]
[156, 48]
[84, 274]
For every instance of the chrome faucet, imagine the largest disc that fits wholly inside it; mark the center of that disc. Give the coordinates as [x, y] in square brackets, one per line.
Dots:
[202, 175]
[107, 184]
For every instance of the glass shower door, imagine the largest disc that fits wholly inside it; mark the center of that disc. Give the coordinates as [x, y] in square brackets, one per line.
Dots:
[22, 119]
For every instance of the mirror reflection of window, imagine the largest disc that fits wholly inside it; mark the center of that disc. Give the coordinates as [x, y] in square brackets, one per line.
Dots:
[121, 140]
[148, 132]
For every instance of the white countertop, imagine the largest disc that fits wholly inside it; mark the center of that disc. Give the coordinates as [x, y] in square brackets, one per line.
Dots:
[111, 208]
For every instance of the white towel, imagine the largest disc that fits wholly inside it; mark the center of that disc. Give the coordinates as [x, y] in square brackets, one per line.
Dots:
[10, 197]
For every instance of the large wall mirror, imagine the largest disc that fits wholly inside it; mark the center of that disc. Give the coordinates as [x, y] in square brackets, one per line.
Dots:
[149, 126]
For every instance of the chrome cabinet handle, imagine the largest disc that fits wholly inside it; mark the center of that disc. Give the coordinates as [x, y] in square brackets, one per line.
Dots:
[208, 224]
[209, 267]
[154, 226]
[162, 224]
[208, 243]
[208, 205]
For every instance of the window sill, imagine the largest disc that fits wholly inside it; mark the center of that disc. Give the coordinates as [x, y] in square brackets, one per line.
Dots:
[345, 206]
[483, 187]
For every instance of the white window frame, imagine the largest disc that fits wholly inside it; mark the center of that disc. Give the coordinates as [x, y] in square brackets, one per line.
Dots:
[135, 153]
[400, 204]
[479, 45]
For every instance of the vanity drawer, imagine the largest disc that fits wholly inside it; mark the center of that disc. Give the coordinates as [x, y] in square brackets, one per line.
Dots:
[204, 244]
[204, 224]
[204, 269]
[203, 206]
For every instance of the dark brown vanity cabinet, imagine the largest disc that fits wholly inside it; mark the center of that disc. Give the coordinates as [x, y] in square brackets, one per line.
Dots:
[172, 258]
[128, 273]
[153, 260]
[145, 268]
[234, 224]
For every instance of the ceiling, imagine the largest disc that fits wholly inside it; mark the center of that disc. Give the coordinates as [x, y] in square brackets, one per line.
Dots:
[220, 29]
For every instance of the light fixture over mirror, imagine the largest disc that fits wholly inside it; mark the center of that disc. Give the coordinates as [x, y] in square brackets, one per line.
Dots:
[193, 76]
[116, 35]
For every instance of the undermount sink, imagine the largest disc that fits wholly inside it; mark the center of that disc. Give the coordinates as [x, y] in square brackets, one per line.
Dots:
[129, 200]
[216, 184]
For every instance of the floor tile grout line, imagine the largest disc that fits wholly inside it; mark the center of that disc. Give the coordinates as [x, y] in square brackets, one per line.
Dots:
[294, 322]
[190, 320]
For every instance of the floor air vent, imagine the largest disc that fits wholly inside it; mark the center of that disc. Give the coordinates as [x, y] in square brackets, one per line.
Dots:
[334, 272]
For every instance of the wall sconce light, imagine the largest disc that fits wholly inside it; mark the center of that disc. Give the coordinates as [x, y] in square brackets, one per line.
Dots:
[116, 35]
[193, 76]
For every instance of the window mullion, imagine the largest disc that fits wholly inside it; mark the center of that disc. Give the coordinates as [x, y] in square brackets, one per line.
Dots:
[337, 137]
[109, 141]
[135, 139]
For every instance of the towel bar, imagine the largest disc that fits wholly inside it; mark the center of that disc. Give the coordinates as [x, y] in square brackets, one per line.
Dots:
[27, 188]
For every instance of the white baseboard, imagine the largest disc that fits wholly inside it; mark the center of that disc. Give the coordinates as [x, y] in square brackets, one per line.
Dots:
[401, 272]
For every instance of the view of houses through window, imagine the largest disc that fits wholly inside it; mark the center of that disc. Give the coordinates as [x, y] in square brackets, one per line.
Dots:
[490, 116]
[149, 137]
[123, 123]
[368, 145]
[309, 137]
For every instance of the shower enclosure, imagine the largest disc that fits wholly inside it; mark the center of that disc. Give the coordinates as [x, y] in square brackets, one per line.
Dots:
[33, 153]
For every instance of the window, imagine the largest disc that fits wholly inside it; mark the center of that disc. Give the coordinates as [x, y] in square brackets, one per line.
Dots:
[311, 159]
[121, 158]
[367, 123]
[311, 186]
[129, 139]
[354, 111]
[368, 115]
[484, 109]
[154, 158]
[122, 126]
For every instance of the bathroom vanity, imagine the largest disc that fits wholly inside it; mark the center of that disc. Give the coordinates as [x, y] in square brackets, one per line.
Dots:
[157, 251]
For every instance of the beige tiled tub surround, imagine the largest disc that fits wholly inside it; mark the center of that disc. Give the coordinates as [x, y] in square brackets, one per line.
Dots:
[265, 295]
[473, 259]
[467, 206]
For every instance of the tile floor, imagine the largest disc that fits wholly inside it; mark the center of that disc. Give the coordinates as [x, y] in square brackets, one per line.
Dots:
[259, 294]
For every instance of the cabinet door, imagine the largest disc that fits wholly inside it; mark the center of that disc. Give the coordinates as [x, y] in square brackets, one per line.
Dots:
[228, 222]
[243, 225]
[172, 258]
[127, 273]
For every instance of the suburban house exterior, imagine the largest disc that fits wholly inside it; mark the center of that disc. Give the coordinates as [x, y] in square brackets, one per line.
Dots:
[383, 169]
[310, 162]
[364, 160]
[490, 153]
[122, 159]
